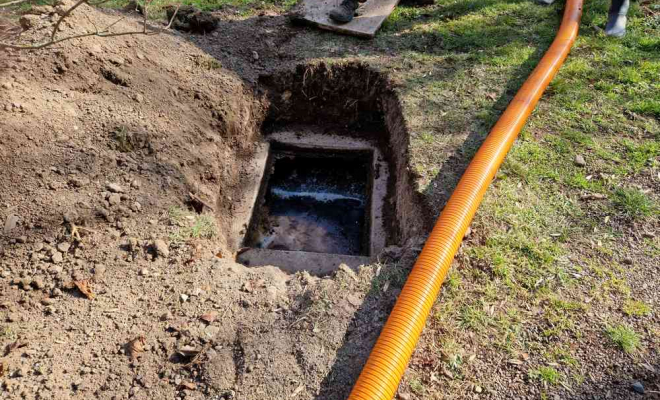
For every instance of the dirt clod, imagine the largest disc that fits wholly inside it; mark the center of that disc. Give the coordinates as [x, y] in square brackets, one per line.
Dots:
[56, 257]
[161, 248]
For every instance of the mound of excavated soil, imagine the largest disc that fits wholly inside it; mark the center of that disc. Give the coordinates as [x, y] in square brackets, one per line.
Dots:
[111, 286]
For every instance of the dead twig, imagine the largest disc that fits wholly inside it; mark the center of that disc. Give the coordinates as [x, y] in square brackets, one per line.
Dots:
[103, 33]
[199, 200]
[11, 3]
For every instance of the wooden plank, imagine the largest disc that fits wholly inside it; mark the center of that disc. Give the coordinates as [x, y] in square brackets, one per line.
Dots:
[371, 16]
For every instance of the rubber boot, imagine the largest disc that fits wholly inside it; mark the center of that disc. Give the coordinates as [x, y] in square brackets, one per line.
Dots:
[617, 18]
[345, 12]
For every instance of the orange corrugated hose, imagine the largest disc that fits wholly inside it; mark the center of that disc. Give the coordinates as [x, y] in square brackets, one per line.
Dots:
[382, 373]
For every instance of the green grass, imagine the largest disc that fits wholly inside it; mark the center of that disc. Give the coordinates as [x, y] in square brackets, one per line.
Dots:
[189, 226]
[623, 337]
[635, 308]
[633, 203]
[548, 375]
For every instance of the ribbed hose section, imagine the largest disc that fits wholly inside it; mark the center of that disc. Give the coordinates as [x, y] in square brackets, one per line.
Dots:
[389, 358]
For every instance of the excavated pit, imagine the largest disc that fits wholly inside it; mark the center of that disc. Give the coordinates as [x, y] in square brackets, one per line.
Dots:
[315, 201]
[330, 182]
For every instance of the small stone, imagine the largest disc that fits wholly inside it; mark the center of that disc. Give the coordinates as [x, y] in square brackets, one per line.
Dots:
[135, 184]
[39, 246]
[183, 297]
[26, 283]
[138, 97]
[628, 261]
[161, 248]
[211, 331]
[133, 244]
[70, 216]
[63, 247]
[580, 161]
[38, 283]
[478, 389]
[114, 188]
[47, 301]
[255, 55]
[637, 387]
[114, 199]
[21, 239]
[56, 292]
[143, 272]
[55, 270]
[99, 269]
[56, 258]
[136, 207]
[166, 316]
[78, 182]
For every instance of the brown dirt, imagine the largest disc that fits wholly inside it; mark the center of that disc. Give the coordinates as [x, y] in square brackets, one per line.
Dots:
[161, 118]
[102, 141]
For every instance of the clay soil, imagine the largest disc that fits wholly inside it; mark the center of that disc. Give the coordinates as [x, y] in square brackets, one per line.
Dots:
[122, 160]
[116, 282]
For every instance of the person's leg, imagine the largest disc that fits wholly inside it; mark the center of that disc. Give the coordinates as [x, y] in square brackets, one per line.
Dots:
[617, 18]
[344, 12]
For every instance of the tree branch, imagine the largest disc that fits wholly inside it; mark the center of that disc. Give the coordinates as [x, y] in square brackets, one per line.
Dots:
[11, 3]
[66, 14]
[104, 33]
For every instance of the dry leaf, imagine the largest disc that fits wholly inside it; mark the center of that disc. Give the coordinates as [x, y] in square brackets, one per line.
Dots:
[85, 288]
[188, 351]
[593, 196]
[187, 385]
[195, 254]
[218, 254]
[209, 317]
[136, 346]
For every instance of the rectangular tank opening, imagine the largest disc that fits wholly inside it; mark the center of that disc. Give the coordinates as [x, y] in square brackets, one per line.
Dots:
[314, 200]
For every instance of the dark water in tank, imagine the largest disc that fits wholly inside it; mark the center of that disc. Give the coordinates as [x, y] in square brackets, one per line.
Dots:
[317, 203]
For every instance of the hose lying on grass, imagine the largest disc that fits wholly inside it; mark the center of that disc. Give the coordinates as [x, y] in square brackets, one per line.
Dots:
[389, 358]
